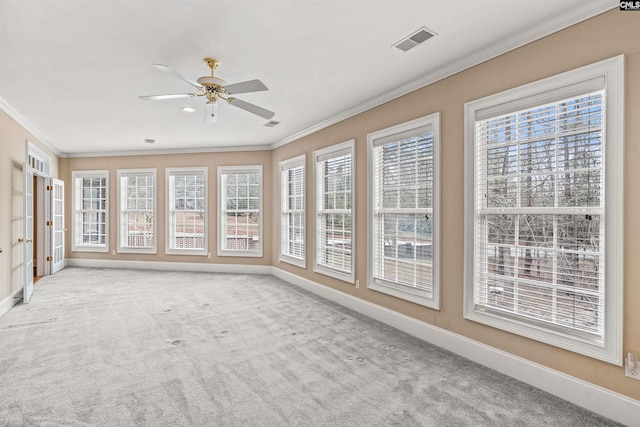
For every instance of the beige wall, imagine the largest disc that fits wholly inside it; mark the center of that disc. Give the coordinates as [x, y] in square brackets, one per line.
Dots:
[602, 37]
[160, 162]
[12, 156]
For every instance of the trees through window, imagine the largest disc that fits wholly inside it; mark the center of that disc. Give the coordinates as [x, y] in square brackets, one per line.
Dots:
[292, 211]
[544, 211]
[240, 218]
[404, 220]
[334, 211]
[136, 207]
[187, 211]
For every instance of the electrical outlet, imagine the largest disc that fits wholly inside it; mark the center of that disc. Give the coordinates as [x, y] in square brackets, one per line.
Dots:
[632, 366]
[209, 255]
[357, 284]
[113, 252]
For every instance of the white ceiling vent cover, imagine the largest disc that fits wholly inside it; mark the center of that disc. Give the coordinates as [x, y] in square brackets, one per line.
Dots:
[422, 35]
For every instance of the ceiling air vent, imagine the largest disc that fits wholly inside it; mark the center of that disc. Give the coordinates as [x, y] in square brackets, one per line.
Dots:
[271, 123]
[414, 39]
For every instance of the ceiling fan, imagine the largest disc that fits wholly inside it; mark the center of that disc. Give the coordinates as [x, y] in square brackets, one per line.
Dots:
[214, 88]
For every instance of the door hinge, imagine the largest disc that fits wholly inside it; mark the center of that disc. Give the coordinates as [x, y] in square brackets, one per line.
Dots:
[49, 223]
[49, 258]
[49, 187]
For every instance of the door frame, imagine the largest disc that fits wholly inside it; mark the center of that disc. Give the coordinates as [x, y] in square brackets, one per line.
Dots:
[37, 164]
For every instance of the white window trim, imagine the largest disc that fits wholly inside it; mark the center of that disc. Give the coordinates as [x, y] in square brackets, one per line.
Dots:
[127, 172]
[611, 72]
[75, 247]
[337, 150]
[167, 174]
[286, 165]
[222, 202]
[422, 297]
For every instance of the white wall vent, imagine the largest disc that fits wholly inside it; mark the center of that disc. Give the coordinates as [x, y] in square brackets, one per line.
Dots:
[271, 123]
[413, 40]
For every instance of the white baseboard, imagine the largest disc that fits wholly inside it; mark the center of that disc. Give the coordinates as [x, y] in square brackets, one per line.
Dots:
[607, 403]
[10, 301]
[170, 266]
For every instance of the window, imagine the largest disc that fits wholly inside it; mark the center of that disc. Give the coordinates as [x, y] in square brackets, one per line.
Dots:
[292, 211]
[136, 208]
[544, 210]
[333, 223]
[240, 219]
[187, 211]
[90, 210]
[403, 213]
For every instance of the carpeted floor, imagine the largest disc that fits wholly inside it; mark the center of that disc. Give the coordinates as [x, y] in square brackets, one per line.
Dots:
[121, 347]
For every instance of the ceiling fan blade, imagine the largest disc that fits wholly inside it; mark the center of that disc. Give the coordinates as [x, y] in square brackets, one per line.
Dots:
[176, 74]
[175, 95]
[259, 111]
[244, 87]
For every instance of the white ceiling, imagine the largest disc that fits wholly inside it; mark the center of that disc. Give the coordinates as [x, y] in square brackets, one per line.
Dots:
[71, 70]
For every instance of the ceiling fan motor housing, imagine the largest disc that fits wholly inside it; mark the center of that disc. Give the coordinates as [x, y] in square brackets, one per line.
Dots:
[213, 86]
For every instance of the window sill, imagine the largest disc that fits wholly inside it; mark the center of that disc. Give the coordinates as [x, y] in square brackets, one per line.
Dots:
[90, 249]
[594, 348]
[345, 277]
[293, 261]
[417, 296]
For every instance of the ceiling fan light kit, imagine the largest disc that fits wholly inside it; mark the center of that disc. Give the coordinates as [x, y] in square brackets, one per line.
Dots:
[214, 88]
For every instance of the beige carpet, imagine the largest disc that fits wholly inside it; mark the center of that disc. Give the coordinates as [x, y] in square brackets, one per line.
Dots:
[119, 347]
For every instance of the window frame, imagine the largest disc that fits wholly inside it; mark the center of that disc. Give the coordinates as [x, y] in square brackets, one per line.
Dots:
[284, 167]
[77, 203]
[610, 73]
[125, 173]
[423, 297]
[337, 150]
[248, 169]
[169, 172]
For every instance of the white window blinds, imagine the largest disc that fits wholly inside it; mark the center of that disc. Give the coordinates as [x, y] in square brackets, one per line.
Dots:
[91, 201]
[402, 220]
[137, 189]
[543, 210]
[404, 210]
[334, 211]
[187, 210]
[539, 216]
[292, 211]
[240, 211]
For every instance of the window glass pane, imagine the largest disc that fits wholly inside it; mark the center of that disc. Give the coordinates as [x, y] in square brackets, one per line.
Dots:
[187, 219]
[402, 223]
[90, 193]
[535, 258]
[240, 227]
[137, 210]
[334, 224]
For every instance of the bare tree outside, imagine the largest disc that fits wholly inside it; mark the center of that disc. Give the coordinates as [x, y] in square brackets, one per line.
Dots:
[543, 212]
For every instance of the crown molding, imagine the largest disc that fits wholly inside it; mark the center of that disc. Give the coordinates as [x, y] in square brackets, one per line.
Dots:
[226, 149]
[528, 35]
[546, 28]
[28, 126]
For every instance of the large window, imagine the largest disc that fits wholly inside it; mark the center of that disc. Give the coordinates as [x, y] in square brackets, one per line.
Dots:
[90, 210]
[136, 208]
[334, 211]
[187, 211]
[544, 210]
[240, 218]
[403, 213]
[292, 211]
